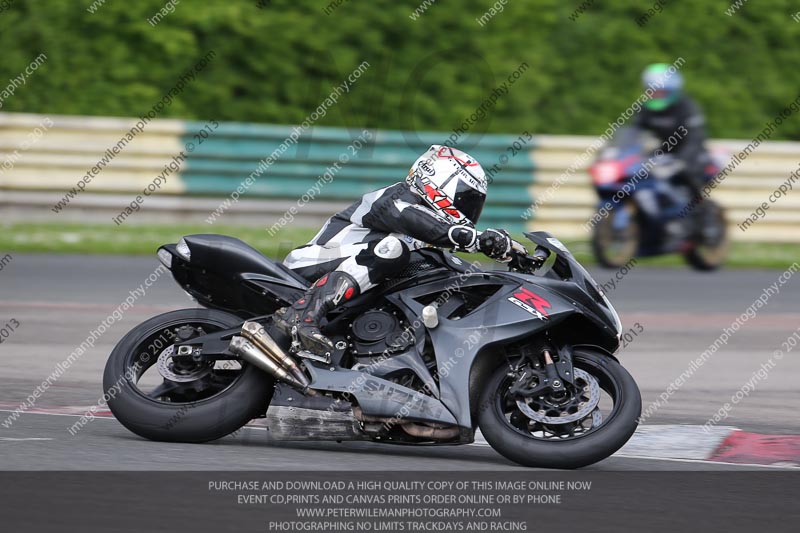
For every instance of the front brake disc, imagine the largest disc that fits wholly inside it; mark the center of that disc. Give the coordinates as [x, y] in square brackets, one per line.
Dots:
[588, 392]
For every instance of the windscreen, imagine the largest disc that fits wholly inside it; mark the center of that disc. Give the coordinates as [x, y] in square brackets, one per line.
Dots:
[563, 266]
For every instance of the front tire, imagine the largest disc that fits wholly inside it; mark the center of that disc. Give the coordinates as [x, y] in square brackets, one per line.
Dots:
[204, 418]
[573, 452]
[614, 248]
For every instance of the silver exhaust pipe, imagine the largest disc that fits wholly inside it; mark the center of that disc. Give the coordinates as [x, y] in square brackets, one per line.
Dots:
[255, 333]
[247, 351]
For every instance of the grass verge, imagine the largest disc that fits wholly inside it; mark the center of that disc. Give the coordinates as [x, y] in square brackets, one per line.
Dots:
[145, 239]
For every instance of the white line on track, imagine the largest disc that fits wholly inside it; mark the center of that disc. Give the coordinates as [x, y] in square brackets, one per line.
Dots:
[27, 304]
[51, 414]
[704, 461]
[23, 439]
[486, 444]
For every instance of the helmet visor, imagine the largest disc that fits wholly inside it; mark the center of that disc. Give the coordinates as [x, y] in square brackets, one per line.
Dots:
[661, 100]
[469, 201]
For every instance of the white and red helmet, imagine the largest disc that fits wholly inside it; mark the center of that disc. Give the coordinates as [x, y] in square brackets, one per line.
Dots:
[451, 182]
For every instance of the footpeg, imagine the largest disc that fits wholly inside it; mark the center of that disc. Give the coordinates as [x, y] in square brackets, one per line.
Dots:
[255, 333]
[298, 350]
[305, 354]
[250, 353]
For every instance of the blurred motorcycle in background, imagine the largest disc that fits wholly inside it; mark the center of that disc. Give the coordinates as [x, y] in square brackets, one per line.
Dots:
[644, 211]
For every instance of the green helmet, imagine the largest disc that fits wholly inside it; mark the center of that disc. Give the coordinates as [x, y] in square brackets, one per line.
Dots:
[665, 82]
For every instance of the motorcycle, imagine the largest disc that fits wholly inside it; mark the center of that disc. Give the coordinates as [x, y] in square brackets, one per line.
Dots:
[641, 212]
[525, 354]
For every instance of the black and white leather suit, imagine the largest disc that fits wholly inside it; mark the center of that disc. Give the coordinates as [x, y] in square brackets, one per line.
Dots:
[371, 240]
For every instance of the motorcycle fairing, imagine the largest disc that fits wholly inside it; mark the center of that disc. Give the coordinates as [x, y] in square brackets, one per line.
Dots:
[381, 398]
[565, 287]
[228, 274]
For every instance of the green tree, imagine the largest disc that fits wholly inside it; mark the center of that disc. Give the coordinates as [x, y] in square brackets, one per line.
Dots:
[275, 63]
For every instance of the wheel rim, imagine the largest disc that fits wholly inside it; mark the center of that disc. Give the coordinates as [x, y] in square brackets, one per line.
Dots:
[593, 404]
[152, 372]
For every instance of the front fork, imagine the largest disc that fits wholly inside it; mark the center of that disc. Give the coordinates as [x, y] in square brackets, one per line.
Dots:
[621, 215]
[552, 363]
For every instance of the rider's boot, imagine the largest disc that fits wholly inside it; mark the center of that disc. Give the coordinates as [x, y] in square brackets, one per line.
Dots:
[302, 319]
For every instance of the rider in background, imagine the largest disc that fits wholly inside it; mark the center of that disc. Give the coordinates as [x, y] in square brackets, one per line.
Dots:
[677, 121]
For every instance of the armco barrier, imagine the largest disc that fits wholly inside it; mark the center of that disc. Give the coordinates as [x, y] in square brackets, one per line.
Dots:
[750, 184]
[34, 179]
[218, 166]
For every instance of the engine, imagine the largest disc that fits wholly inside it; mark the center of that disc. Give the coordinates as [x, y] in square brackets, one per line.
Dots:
[378, 332]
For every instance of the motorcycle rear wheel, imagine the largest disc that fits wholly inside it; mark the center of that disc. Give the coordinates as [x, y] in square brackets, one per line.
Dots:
[710, 245]
[222, 399]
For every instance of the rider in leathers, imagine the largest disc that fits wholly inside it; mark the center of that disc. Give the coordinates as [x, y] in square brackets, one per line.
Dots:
[673, 117]
[438, 205]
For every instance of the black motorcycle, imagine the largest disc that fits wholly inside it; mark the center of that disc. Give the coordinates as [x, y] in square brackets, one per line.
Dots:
[443, 349]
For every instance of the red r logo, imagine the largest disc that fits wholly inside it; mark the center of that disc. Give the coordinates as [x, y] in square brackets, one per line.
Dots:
[534, 300]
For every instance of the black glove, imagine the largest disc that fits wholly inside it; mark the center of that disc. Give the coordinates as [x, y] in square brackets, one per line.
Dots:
[496, 243]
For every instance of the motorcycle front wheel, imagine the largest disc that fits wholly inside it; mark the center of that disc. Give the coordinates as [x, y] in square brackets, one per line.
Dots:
[594, 419]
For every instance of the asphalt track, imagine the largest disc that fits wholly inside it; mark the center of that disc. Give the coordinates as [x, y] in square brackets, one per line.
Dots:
[57, 300]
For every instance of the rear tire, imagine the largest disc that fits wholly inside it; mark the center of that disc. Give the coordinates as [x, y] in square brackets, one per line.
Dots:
[198, 421]
[709, 253]
[569, 453]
